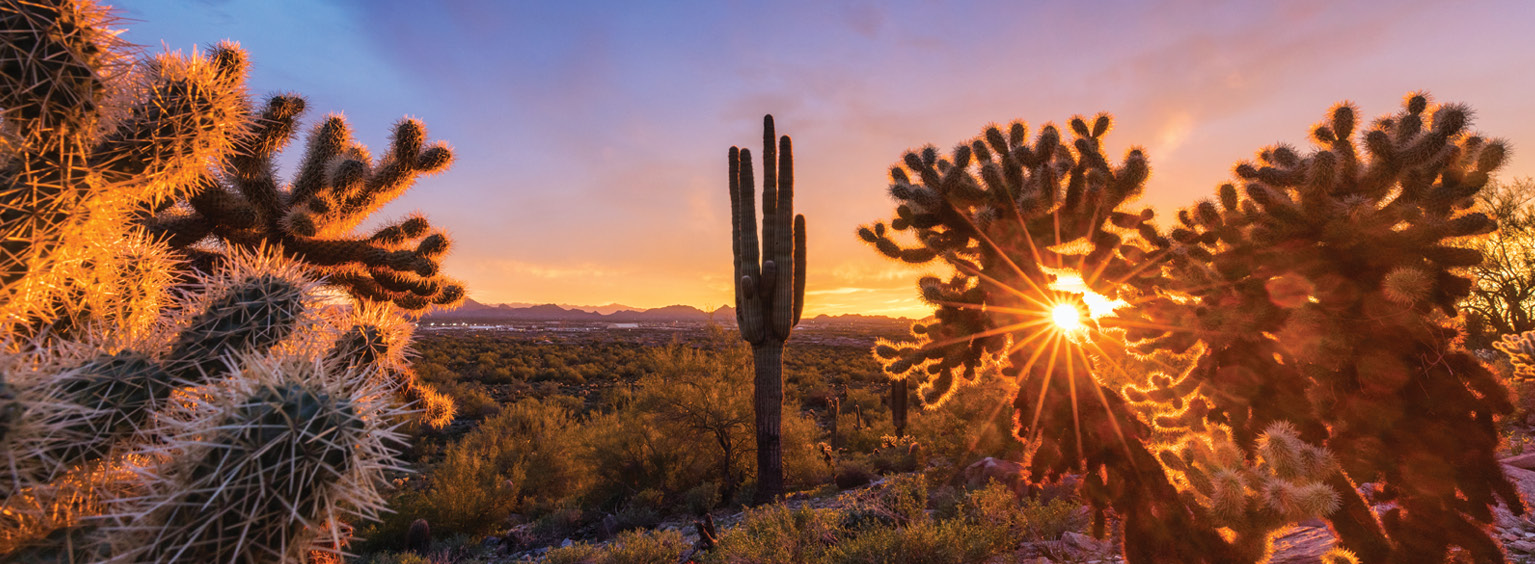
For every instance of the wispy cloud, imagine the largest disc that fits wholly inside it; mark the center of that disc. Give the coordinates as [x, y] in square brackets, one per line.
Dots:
[591, 143]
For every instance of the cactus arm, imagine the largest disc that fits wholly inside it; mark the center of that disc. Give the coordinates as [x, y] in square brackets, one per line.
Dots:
[799, 267]
[222, 210]
[250, 166]
[749, 277]
[326, 142]
[769, 197]
[783, 232]
[735, 228]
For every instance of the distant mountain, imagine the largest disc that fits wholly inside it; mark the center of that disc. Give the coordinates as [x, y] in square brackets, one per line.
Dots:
[477, 312]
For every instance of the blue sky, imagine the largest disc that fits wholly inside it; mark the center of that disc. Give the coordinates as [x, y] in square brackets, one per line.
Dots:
[591, 136]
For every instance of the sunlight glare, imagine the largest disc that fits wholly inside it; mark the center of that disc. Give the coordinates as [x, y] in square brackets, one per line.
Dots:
[1097, 304]
[1066, 317]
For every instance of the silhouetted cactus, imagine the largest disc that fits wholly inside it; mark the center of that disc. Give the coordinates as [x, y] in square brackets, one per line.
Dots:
[418, 538]
[770, 288]
[156, 407]
[1313, 296]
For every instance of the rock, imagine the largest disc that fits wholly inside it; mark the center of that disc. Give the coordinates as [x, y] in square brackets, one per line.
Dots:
[994, 470]
[1524, 546]
[1079, 540]
[566, 543]
[1302, 545]
[1523, 478]
[1525, 461]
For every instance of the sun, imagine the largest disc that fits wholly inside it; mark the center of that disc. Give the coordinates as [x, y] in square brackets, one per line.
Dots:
[1067, 318]
[1097, 304]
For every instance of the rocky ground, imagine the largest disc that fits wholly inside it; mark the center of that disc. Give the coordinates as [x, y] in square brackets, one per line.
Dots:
[1301, 544]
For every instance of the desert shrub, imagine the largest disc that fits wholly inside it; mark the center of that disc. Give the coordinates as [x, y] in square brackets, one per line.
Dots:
[851, 473]
[576, 553]
[802, 463]
[517, 461]
[776, 534]
[631, 547]
[977, 423]
[471, 398]
[1026, 518]
[701, 498]
[629, 451]
[926, 542]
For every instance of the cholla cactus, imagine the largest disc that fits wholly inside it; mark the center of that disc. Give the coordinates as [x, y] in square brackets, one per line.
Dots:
[85, 141]
[1313, 295]
[1253, 498]
[1521, 353]
[264, 469]
[770, 288]
[1319, 291]
[159, 403]
[338, 185]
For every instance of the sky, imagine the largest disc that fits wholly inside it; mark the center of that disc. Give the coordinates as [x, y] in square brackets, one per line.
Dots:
[591, 137]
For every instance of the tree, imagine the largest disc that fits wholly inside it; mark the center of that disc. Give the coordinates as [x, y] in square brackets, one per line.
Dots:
[1502, 302]
[702, 393]
[770, 294]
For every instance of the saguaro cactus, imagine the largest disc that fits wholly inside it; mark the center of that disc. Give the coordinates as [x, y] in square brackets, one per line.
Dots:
[770, 288]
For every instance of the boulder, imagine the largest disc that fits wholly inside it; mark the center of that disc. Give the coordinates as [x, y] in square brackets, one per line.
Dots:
[1525, 461]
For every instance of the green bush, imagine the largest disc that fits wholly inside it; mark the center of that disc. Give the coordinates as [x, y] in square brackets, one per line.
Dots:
[929, 542]
[517, 461]
[631, 547]
[472, 400]
[775, 534]
[701, 498]
[1029, 519]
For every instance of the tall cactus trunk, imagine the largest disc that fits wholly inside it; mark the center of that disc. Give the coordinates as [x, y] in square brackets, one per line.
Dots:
[767, 402]
[898, 406]
[770, 287]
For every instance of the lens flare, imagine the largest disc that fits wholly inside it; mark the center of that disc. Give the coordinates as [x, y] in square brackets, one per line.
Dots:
[1067, 318]
[1097, 304]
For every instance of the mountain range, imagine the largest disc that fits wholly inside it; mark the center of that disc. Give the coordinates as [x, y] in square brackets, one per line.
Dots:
[476, 312]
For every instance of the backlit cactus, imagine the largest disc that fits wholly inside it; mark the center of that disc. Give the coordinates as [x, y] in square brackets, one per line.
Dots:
[1314, 295]
[160, 402]
[1320, 291]
[769, 288]
[88, 138]
[312, 220]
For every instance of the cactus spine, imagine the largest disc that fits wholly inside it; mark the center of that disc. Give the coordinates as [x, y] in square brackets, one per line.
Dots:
[770, 288]
[1313, 301]
[159, 401]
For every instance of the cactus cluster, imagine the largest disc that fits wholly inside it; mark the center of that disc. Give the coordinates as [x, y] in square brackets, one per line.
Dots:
[242, 205]
[1316, 294]
[168, 398]
[769, 288]
[1251, 497]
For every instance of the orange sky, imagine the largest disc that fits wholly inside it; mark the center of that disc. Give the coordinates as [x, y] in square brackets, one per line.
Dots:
[591, 143]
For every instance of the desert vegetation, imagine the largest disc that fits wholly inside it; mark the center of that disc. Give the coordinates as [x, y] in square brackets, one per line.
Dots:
[203, 361]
